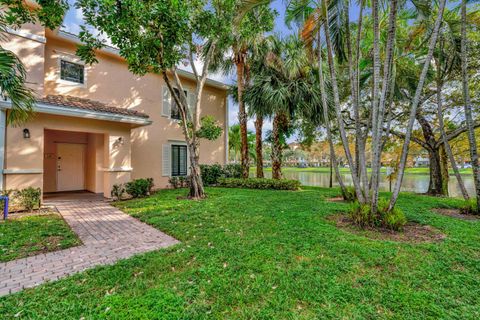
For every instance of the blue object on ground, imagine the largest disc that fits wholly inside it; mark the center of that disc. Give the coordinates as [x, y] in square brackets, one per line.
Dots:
[5, 207]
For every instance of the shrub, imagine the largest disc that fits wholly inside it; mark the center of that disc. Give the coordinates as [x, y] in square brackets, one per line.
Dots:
[179, 182]
[151, 185]
[29, 198]
[117, 191]
[255, 183]
[362, 216]
[232, 170]
[137, 188]
[469, 207]
[211, 173]
[174, 182]
[350, 194]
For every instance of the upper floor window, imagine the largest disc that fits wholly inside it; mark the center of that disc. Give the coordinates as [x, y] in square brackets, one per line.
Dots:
[73, 72]
[175, 111]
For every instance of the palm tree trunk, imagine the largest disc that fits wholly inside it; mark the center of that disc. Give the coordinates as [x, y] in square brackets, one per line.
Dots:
[415, 103]
[468, 107]
[326, 119]
[377, 124]
[258, 145]
[343, 135]
[242, 114]
[276, 148]
[448, 149]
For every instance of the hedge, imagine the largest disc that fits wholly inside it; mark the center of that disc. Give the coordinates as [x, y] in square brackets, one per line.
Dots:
[255, 183]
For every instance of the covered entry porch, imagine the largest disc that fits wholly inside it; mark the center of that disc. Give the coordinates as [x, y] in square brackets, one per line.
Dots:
[71, 144]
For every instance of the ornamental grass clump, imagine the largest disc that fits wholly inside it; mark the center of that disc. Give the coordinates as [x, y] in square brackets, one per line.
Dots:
[362, 216]
[469, 207]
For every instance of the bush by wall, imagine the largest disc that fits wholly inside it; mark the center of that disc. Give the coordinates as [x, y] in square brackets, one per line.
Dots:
[28, 198]
[138, 188]
[254, 183]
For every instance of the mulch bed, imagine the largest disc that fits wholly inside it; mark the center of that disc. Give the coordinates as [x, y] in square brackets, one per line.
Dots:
[337, 200]
[455, 213]
[412, 232]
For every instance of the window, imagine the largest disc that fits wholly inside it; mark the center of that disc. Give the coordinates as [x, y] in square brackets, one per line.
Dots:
[179, 160]
[175, 112]
[73, 72]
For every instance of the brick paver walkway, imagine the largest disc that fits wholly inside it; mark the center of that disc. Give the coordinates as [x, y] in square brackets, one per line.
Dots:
[107, 235]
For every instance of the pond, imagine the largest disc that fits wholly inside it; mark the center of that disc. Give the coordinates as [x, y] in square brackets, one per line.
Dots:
[417, 183]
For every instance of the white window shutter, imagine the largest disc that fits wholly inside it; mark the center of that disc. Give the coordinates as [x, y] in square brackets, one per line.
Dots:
[167, 102]
[166, 160]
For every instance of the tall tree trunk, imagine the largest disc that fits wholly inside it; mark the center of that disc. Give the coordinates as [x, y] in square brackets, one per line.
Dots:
[343, 134]
[468, 107]
[444, 170]
[276, 148]
[415, 103]
[447, 148]
[435, 185]
[258, 145]
[330, 181]
[196, 184]
[242, 114]
[377, 124]
[326, 119]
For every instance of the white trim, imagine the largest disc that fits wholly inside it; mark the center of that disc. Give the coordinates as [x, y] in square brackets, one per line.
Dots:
[22, 171]
[81, 113]
[26, 35]
[118, 169]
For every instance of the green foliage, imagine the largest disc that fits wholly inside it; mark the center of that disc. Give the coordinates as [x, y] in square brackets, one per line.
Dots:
[138, 188]
[117, 191]
[469, 207]
[350, 194]
[179, 182]
[362, 216]
[211, 173]
[209, 128]
[29, 198]
[232, 170]
[254, 183]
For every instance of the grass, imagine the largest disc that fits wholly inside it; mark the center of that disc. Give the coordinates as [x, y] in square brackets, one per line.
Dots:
[31, 235]
[253, 254]
[419, 171]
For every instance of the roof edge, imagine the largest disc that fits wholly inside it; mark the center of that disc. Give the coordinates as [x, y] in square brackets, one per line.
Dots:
[81, 113]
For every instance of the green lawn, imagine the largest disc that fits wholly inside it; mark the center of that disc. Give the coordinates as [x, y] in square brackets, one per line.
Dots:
[23, 237]
[420, 171]
[250, 254]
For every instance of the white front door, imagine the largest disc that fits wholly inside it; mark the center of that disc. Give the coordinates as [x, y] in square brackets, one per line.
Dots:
[70, 167]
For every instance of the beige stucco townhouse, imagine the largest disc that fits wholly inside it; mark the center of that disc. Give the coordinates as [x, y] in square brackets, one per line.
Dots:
[98, 125]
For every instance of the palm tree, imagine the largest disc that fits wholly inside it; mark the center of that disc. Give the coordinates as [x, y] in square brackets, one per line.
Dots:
[283, 87]
[235, 143]
[252, 21]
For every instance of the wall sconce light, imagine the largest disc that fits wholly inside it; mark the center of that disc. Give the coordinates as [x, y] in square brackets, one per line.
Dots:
[26, 133]
[120, 139]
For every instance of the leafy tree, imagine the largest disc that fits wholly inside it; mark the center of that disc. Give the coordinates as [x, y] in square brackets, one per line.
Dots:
[13, 75]
[154, 36]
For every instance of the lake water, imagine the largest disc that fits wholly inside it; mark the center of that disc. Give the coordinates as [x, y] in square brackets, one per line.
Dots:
[417, 183]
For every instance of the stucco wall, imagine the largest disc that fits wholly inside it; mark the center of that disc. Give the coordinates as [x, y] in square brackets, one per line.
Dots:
[110, 81]
[28, 154]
